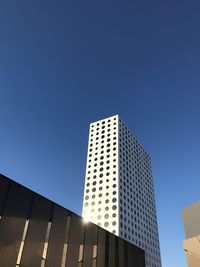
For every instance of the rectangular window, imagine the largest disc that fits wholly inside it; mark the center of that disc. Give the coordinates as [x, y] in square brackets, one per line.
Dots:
[22, 243]
[44, 254]
[65, 247]
[94, 252]
[80, 258]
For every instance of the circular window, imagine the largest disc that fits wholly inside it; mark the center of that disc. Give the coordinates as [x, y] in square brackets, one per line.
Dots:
[87, 197]
[106, 224]
[113, 223]
[114, 200]
[106, 216]
[114, 207]
[114, 215]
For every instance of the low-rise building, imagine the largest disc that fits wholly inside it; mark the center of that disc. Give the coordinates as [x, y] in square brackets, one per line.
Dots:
[37, 232]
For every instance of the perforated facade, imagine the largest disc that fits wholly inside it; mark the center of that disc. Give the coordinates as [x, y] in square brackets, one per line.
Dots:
[119, 194]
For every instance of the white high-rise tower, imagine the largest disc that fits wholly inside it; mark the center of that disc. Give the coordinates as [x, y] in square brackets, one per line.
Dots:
[119, 194]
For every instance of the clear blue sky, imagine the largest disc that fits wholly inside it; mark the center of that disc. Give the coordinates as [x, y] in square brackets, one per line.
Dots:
[64, 64]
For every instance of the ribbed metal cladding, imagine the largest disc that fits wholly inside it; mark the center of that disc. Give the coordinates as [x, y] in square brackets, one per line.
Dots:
[34, 231]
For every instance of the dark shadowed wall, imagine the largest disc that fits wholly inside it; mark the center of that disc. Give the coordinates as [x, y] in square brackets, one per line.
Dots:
[35, 232]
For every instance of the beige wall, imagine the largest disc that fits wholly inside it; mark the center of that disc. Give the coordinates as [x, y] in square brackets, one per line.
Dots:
[191, 220]
[192, 248]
